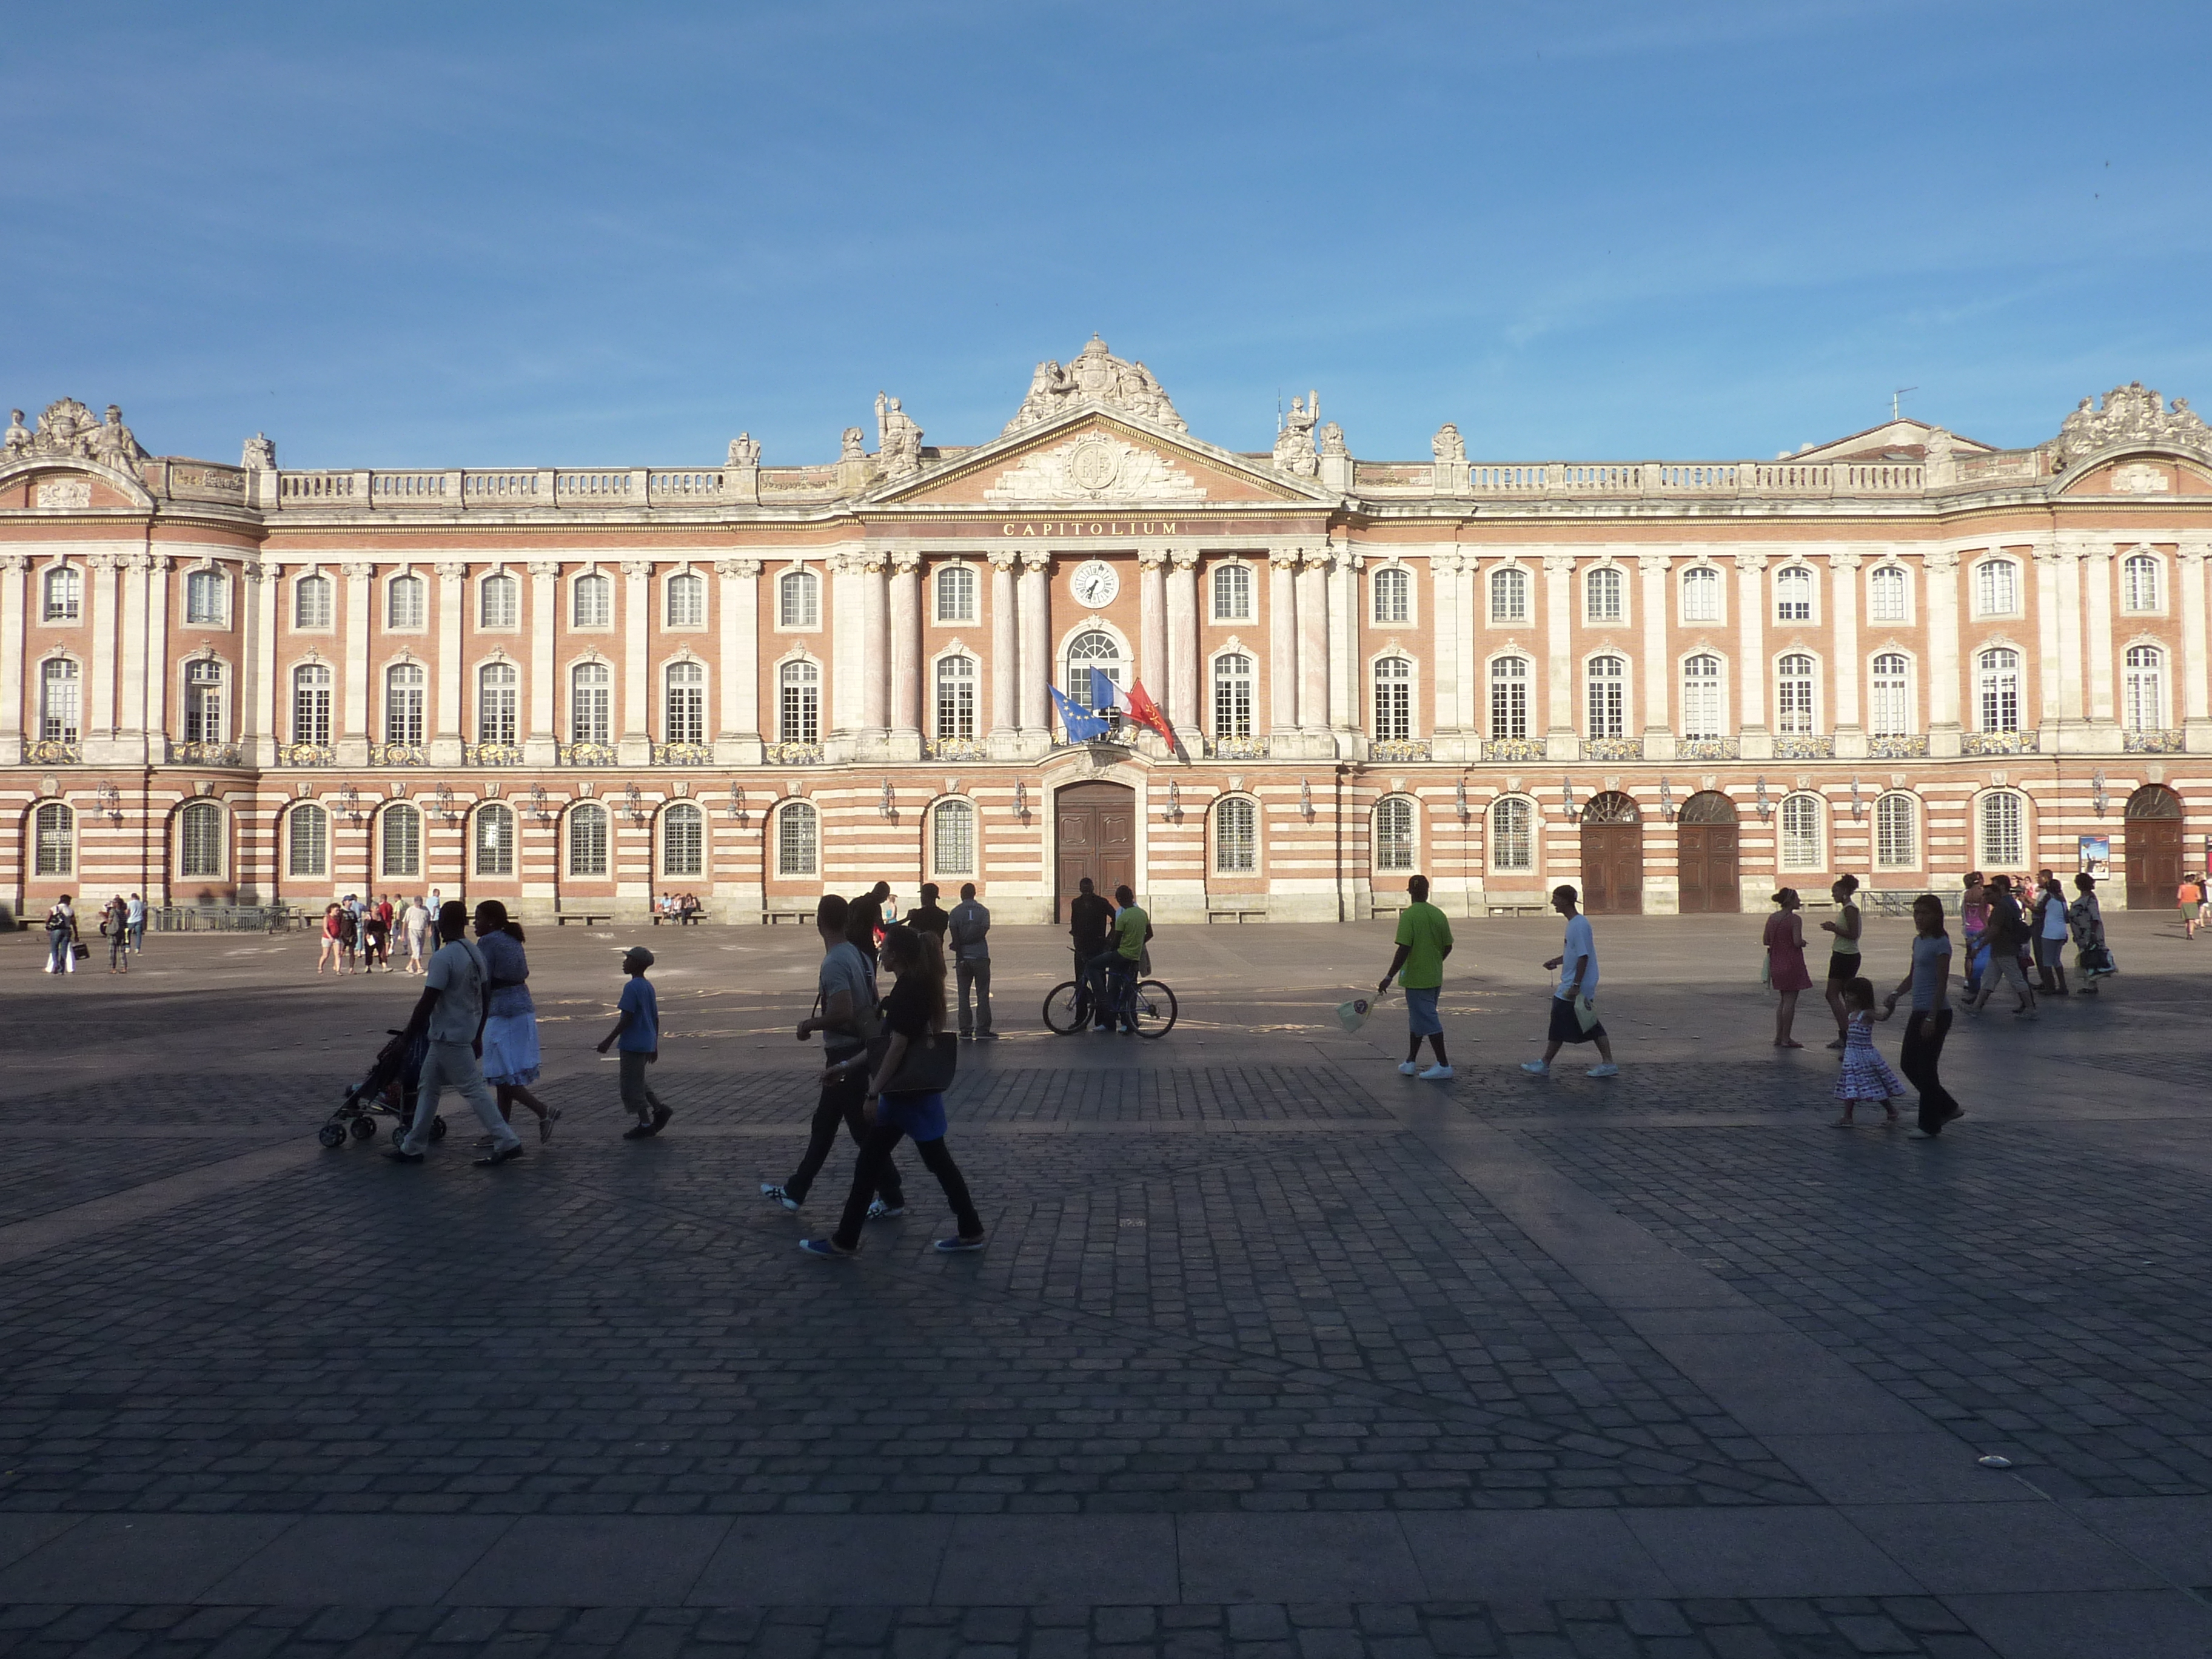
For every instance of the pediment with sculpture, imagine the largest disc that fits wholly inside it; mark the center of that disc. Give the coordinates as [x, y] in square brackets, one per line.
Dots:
[2132, 417]
[1098, 461]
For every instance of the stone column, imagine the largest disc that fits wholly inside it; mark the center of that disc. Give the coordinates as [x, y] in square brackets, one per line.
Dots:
[2051, 676]
[96, 724]
[1183, 647]
[1152, 619]
[354, 715]
[1562, 741]
[2072, 702]
[634, 721]
[13, 645]
[2098, 623]
[1313, 639]
[1656, 595]
[1035, 610]
[1474, 705]
[905, 654]
[1939, 572]
[263, 588]
[1344, 676]
[875, 680]
[848, 647]
[1447, 662]
[2196, 707]
[1282, 642]
[129, 745]
[738, 743]
[446, 734]
[1843, 672]
[158, 579]
[1750, 669]
[541, 743]
[1005, 663]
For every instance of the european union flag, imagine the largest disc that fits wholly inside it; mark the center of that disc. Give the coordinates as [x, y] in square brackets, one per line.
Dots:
[1082, 725]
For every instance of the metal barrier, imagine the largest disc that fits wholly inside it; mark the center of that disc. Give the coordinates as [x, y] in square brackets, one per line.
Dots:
[224, 919]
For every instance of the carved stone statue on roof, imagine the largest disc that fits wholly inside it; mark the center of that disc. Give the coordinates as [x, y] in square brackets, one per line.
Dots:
[1097, 376]
[259, 454]
[854, 445]
[898, 440]
[2131, 414]
[113, 444]
[745, 450]
[1294, 444]
[18, 439]
[1332, 440]
[1448, 445]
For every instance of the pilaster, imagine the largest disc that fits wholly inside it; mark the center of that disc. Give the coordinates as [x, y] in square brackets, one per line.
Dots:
[1750, 669]
[14, 643]
[128, 746]
[261, 591]
[354, 714]
[633, 721]
[2196, 707]
[1561, 741]
[1843, 668]
[446, 724]
[908, 696]
[1344, 675]
[1313, 641]
[103, 575]
[1184, 645]
[1654, 597]
[1034, 603]
[738, 743]
[541, 744]
[1006, 711]
[1939, 569]
[2104, 720]
[1282, 642]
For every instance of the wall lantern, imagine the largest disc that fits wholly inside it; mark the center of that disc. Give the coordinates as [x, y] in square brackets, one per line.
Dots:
[1765, 811]
[1175, 800]
[1305, 800]
[633, 805]
[2098, 800]
[350, 803]
[889, 805]
[1567, 813]
[1021, 797]
[537, 803]
[111, 803]
[1459, 799]
[1857, 810]
[738, 802]
[445, 803]
[1666, 800]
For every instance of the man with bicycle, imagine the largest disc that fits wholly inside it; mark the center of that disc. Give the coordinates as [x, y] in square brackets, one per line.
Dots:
[1118, 966]
[1089, 920]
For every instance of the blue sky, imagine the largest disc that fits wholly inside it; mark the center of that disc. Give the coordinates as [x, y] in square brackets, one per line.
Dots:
[485, 234]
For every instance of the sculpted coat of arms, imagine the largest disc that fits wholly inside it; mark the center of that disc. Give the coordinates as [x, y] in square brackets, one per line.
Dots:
[1097, 376]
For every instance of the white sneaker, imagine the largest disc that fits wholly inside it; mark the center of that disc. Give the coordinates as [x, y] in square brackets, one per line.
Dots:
[1408, 1067]
[1536, 1068]
[1436, 1074]
[1608, 1069]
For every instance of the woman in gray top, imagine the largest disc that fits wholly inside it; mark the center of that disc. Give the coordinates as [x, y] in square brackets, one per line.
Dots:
[1931, 1021]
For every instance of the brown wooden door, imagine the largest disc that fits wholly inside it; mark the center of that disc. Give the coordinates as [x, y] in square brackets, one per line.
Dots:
[1095, 827]
[1708, 869]
[1613, 869]
[2153, 854]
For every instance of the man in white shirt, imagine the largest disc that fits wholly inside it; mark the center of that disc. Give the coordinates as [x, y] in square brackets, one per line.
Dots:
[455, 996]
[1574, 1002]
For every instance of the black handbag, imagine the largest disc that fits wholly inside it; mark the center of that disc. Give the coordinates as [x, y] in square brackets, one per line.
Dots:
[925, 1068]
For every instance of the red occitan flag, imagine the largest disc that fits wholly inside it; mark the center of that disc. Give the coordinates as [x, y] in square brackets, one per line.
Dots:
[1146, 713]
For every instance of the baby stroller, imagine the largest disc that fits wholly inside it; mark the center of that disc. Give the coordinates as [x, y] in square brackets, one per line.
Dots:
[396, 1069]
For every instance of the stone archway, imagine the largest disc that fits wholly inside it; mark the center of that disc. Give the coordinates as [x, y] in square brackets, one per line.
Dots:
[2153, 849]
[1708, 862]
[1613, 856]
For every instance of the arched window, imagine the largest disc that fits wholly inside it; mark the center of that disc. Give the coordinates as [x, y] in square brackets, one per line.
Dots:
[1891, 707]
[1793, 695]
[311, 602]
[2143, 688]
[311, 705]
[406, 602]
[403, 687]
[199, 840]
[956, 699]
[499, 603]
[587, 839]
[59, 687]
[1996, 587]
[1236, 836]
[1394, 834]
[402, 840]
[1093, 648]
[1997, 683]
[2139, 583]
[204, 701]
[307, 840]
[495, 840]
[799, 600]
[1232, 695]
[1793, 594]
[683, 841]
[499, 711]
[64, 594]
[956, 593]
[55, 830]
[1701, 594]
[686, 600]
[1896, 833]
[797, 840]
[593, 602]
[952, 837]
[591, 702]
[1800, 821]
[1394, 698]
[1703, 714]
[204, 593]
[2001, 820]
[1509, 699]
[1606, 685]
[1232, 593]
[1886, 594]
[1509, 595]
[1512, 844]
[1602, 594]
[686, 702]
[798, 704]
[1393, 594]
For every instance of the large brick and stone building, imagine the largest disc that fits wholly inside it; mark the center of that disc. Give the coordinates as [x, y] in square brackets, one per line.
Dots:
[1677, 684]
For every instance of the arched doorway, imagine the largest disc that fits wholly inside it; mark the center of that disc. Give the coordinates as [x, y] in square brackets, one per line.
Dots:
[1613, 856]
[2153, 847]
[1094, 835]
[1706, 852]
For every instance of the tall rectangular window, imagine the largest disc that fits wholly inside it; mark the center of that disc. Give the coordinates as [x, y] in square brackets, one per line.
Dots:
[1512, 845]
[1509, 699]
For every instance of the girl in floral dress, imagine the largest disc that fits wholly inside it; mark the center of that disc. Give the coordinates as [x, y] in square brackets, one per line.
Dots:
[1866, 1075]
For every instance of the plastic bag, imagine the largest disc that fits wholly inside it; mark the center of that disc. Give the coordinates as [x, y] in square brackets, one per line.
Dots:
[1353, 1014]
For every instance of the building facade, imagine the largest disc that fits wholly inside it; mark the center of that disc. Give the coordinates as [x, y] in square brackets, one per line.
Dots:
[1677, 685]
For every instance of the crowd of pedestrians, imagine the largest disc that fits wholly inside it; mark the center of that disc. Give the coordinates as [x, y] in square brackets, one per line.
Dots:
[361, 932]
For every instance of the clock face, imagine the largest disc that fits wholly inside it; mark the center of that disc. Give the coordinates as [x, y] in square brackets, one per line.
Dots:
[1096, 584]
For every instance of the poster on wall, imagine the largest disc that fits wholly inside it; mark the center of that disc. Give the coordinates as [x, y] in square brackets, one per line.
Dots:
[2097, 856]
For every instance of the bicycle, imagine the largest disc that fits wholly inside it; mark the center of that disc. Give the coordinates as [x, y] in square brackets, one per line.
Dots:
[1147, 1004]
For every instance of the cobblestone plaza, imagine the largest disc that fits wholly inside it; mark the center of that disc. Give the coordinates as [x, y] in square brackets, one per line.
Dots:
[1273, 1352]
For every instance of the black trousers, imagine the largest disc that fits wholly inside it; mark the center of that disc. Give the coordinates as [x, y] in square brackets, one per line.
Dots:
[842, 1101]
[1923, 1047]
[868, 1175]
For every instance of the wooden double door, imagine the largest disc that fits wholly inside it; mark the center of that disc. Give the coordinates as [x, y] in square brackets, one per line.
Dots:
[1613, 857]
[1095, 834]
[2153, 848]
[1708, 869]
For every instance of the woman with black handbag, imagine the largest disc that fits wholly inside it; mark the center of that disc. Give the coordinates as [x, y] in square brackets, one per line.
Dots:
[911, 1065]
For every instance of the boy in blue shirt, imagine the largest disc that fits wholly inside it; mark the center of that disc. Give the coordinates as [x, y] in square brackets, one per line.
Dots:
[636, 1037]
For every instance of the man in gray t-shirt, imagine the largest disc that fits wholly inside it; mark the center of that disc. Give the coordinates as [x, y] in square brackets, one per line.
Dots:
[455, 996]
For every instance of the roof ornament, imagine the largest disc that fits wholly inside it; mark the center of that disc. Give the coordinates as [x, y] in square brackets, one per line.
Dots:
[1097, 376]
[70, 431]
[2129, 414]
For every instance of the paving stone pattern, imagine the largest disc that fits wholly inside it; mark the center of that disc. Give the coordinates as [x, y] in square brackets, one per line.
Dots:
[38, 1178]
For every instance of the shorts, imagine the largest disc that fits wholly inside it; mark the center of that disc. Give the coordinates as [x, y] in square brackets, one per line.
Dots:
[1842, 970]
[1567, 1028]
[2188, 914]
[1421, 1009]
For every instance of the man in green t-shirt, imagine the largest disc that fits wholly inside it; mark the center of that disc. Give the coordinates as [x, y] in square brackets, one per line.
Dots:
[1125, 950]
[1425, 939]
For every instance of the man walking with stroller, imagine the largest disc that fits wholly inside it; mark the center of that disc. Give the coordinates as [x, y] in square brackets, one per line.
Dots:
[456, 997]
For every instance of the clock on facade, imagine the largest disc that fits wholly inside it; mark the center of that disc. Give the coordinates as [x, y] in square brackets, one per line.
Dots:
[1096, 584]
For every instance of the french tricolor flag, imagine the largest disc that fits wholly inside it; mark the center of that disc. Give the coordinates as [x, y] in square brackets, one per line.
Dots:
[1139, 707]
